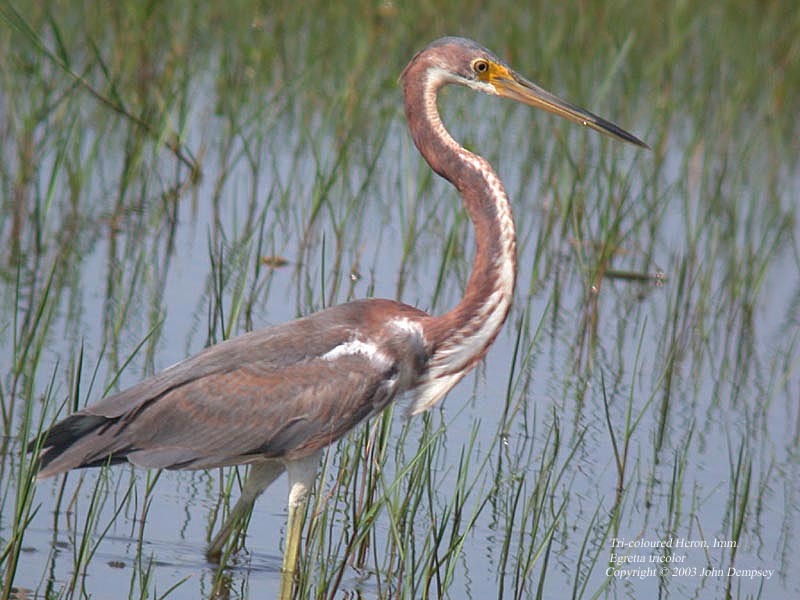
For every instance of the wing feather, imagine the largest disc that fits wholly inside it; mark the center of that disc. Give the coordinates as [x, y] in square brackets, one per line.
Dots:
[277, 393]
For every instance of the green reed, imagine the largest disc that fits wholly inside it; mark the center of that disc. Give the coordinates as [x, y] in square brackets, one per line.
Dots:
[647, 344]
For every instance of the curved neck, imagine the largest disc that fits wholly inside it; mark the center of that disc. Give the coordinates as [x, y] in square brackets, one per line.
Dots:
[459, 338]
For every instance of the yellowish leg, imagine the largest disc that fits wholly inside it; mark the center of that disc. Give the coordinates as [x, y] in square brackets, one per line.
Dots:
[294, 529]
[260, 477]
[301, 478]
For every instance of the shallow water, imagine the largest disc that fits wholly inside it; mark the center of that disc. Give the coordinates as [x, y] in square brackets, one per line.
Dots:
[703, 364]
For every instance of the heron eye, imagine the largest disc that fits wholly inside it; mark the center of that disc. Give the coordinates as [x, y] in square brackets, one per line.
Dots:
[480, 66]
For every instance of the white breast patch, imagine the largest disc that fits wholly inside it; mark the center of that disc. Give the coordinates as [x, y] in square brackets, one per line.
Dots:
[367, 349]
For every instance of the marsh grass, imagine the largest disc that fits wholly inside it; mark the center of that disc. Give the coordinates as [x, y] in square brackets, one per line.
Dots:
[174, 175]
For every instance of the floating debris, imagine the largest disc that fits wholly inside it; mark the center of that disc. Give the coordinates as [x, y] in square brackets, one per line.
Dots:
[658, 277]
[275, 261]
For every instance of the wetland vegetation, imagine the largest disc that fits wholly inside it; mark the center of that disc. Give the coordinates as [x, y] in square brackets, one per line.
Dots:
[176, 173]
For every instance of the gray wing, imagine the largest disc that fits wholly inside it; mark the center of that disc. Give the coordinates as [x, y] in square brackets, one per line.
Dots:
[279, 392]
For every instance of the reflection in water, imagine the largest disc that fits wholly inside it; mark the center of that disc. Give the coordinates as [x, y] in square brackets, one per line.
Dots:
[610, 408]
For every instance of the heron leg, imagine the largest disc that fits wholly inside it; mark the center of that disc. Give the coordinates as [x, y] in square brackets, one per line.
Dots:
[261, 475]
[301, 478]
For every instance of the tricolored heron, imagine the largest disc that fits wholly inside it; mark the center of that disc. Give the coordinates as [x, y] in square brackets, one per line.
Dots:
[275, 398]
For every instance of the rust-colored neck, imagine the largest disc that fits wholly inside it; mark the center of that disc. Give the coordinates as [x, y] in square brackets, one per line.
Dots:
[460, 337]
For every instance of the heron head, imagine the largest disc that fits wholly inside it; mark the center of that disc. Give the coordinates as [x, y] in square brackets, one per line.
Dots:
[461, 61]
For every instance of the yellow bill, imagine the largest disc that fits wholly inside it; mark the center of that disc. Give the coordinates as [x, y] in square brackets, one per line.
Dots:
[511, 85]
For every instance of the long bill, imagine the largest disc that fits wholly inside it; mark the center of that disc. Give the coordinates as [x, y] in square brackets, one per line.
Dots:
[509, 84]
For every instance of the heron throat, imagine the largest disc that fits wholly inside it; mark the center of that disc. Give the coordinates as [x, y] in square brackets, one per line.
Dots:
[460, 338]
